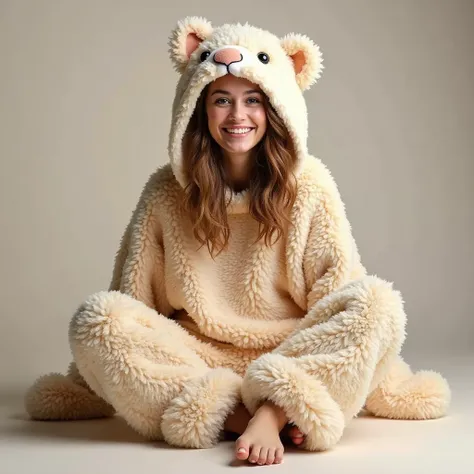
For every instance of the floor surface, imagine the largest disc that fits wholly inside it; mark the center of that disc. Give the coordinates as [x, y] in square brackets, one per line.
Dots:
[369, 445]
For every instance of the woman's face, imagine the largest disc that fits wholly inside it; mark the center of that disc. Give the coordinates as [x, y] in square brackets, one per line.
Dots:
[236, 114]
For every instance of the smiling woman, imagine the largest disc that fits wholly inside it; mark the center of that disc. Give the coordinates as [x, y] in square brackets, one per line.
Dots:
[236, 144]
[235, 109]
[237, 121]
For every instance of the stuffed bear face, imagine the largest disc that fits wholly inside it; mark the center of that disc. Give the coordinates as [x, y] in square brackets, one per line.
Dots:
[244, 50]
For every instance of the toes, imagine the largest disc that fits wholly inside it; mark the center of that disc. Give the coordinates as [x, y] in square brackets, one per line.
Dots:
[262, 459]
[255, 454]
[242, 449]
[271, 456]
[279, 456]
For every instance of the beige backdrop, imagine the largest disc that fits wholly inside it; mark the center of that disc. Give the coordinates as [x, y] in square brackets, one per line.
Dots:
[86, 90]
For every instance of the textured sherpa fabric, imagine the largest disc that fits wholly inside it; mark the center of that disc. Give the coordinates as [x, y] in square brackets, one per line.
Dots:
[65, 397]
[179, 339]
[194, 419]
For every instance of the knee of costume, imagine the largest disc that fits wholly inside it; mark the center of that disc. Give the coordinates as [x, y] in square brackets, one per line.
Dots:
[144, 365]
[321, 375]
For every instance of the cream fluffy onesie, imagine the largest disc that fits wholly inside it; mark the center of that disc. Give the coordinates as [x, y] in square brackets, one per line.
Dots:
[179, 339]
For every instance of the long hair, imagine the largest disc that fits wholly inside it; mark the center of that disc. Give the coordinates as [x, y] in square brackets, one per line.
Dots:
[272, 188]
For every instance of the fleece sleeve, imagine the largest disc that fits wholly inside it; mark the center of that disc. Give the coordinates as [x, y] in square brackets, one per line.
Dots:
[139, 261]
[331, 258]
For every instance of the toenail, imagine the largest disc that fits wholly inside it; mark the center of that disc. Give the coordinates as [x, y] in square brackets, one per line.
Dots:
[241, 450]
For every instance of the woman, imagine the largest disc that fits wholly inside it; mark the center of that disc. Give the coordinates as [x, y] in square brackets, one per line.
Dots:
[238, 301]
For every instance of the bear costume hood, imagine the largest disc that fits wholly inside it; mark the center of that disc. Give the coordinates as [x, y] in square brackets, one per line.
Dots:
[283, 68]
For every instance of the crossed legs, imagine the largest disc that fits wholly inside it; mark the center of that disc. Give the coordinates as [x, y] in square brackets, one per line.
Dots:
[169, 385]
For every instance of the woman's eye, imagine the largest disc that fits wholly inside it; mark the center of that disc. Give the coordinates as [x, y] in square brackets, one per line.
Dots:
[221, 100]
[225, 100]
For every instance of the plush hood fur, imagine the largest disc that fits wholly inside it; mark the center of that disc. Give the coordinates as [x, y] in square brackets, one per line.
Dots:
[291, 65]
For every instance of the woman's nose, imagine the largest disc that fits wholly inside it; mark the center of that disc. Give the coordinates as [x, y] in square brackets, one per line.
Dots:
[237, 111]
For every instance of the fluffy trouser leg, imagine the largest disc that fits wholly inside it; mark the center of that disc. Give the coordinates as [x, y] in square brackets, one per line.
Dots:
[144, 365]
[404, 395]
[64, 397]
[322, 373]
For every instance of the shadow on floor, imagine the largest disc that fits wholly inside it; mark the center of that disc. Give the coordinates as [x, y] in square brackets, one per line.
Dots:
[108, 430]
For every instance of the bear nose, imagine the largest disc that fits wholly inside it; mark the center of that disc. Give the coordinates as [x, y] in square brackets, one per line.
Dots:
[227, 56]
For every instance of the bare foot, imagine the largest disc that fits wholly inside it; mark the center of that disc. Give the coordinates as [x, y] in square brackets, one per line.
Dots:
[238, 420]
[260, 443]
[296, 435]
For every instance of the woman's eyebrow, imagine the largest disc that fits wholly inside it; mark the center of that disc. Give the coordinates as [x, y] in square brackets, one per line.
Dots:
[221, 91]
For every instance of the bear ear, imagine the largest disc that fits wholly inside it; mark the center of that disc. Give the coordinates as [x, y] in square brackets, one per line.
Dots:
[306, 57]
[186, 38]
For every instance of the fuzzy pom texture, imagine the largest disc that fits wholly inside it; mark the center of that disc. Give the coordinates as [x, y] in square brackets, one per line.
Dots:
[57, 397]
[195, 418]
[403, 395]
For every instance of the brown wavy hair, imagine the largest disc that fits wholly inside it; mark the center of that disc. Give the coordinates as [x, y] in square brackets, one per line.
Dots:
[272, 189]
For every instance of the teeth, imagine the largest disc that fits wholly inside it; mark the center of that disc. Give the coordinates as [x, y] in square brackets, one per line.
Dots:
[238, 130]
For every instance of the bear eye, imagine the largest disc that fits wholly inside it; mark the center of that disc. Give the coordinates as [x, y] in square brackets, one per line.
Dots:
[205, 55]
[263, 57]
